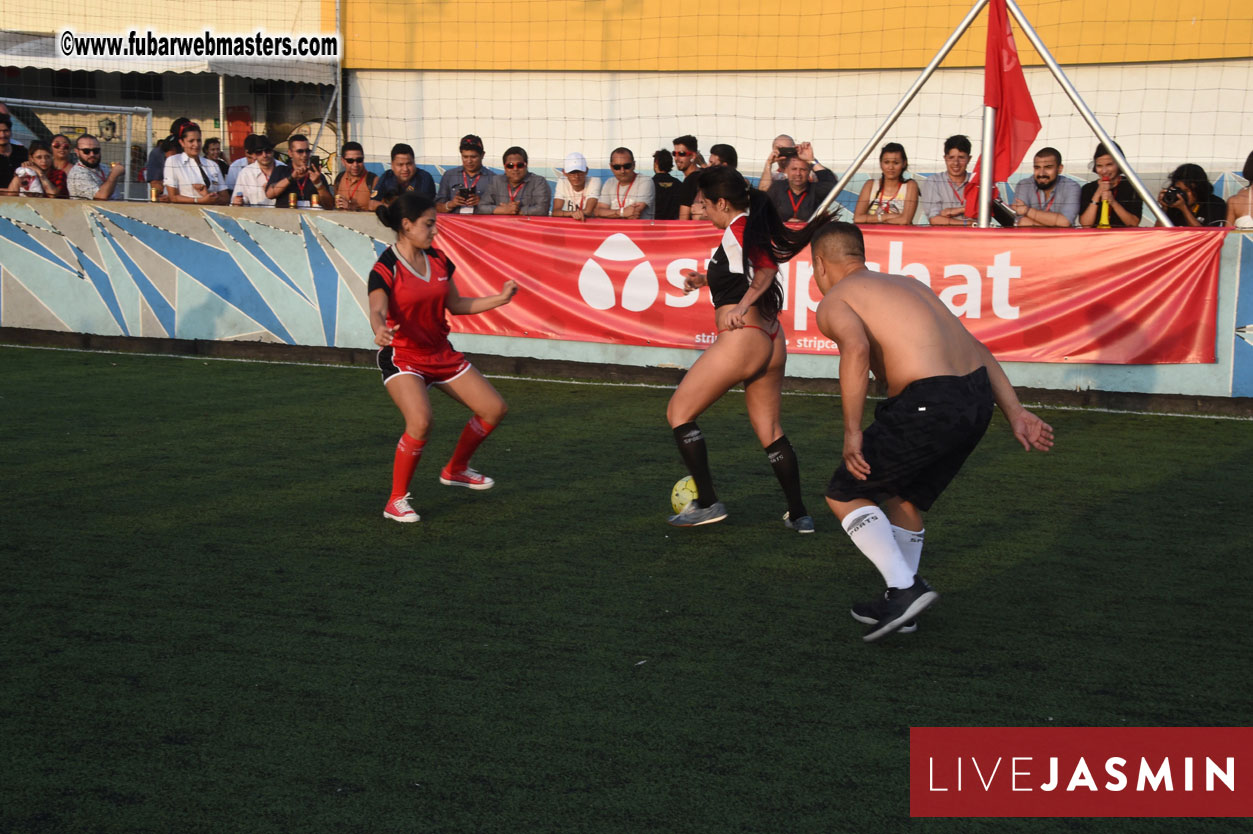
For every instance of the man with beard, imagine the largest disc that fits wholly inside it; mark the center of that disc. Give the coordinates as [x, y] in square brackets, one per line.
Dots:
[86, 180]
[1048, 198]
[12, 155]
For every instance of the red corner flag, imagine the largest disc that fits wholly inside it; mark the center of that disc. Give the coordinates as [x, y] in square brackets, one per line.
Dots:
[1005, 88]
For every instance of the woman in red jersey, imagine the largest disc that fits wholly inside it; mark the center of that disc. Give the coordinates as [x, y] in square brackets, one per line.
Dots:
[410, 288]
[751, 347]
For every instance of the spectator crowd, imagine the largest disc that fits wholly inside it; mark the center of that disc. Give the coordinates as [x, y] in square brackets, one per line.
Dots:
[185, 168]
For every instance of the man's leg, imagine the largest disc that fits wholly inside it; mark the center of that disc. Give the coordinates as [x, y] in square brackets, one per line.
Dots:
[868, 526]
[907, 596]
[907, 528]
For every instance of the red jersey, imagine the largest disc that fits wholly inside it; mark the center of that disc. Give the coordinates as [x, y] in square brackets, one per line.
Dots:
[414, 302]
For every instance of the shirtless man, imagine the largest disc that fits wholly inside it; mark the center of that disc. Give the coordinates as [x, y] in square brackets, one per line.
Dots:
[941, 383]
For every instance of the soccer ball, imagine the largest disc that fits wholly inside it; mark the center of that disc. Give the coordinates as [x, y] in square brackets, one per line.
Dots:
[684, 493]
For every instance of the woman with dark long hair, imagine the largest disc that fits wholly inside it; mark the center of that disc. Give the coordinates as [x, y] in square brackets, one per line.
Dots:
[1190, 200]
[411, 286]
[894, 197]
[750, 348]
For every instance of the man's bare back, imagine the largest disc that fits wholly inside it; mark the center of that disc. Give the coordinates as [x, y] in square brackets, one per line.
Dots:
[911, 334]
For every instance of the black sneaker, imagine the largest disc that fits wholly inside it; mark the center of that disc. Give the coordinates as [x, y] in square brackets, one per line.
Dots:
[899, 606]
[871, 612]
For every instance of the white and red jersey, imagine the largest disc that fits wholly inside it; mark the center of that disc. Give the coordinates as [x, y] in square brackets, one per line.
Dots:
[730, 271]
[415, 302]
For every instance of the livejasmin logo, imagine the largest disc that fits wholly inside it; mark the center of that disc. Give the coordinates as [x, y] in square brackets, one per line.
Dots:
[642, 286]
[1024, 773]
[1080, 771]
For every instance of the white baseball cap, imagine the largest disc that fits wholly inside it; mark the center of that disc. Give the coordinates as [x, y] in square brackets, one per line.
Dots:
[575, 162]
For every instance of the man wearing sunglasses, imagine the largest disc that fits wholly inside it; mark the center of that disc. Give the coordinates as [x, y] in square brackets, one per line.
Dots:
[86, 181]
[518, 191]
[627, 196]
[254, 179]
[354, 183]
[302, 178]
[688, 160]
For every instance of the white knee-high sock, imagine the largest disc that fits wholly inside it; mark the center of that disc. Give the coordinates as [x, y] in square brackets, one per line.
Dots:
[871, 531]
[910, 543]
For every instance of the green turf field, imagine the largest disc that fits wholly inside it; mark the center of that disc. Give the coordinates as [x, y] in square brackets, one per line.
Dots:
[207, 625]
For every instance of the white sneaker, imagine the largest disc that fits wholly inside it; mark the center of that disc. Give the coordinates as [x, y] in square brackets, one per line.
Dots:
[398, 509]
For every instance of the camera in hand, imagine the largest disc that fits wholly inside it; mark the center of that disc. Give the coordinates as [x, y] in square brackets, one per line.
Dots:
[315, 162]
[466, 193]
[1003, 214]
[785, 152]
[1171, 195]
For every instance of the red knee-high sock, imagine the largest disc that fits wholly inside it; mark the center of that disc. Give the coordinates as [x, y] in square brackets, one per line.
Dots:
[408, 453]
[475, 432]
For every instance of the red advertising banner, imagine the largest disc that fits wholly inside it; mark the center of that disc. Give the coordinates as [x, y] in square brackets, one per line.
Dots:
[1127, 296]
[1081, 771]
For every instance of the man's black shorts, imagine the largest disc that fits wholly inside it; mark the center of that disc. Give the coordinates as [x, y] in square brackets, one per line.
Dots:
[919, 440]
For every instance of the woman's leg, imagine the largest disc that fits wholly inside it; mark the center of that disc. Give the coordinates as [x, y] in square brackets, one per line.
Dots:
[409, 394]
[477, 394]
[724, 364]
[763, 396]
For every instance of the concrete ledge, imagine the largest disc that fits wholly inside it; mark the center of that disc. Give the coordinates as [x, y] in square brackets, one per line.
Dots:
[562, 369]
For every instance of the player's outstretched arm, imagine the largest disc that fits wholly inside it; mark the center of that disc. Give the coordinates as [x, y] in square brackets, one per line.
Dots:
[1031, 431]
[459, 305]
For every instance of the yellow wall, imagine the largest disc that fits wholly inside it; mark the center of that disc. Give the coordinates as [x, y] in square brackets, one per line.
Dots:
[223, 17]
[673, 35]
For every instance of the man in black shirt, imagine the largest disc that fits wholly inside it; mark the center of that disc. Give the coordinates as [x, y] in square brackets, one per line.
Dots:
[796, 197]
[666, 186]
[11, 155]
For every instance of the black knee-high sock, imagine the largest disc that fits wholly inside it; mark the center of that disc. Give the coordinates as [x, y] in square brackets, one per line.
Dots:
[696, 459]
[788, 471]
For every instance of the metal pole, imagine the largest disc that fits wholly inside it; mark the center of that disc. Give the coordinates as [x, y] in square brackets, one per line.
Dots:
[339, 76]
[1149, 199]
[923, 77]
[329, 107]
[222, 115]
[126, 191]
[987, 167]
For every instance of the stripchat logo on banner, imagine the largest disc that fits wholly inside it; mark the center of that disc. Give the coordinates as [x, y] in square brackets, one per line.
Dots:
[1081, 771]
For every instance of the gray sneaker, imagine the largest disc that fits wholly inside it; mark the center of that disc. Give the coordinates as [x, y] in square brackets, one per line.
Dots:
[804, 524]
[694, 516]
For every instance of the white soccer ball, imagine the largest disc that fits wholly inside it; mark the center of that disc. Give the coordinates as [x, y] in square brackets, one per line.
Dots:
[684, 493]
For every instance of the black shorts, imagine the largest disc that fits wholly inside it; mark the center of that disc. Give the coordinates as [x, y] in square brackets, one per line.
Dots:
[919, 440]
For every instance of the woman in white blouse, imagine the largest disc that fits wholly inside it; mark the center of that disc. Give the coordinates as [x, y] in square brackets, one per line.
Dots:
[189, 177]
